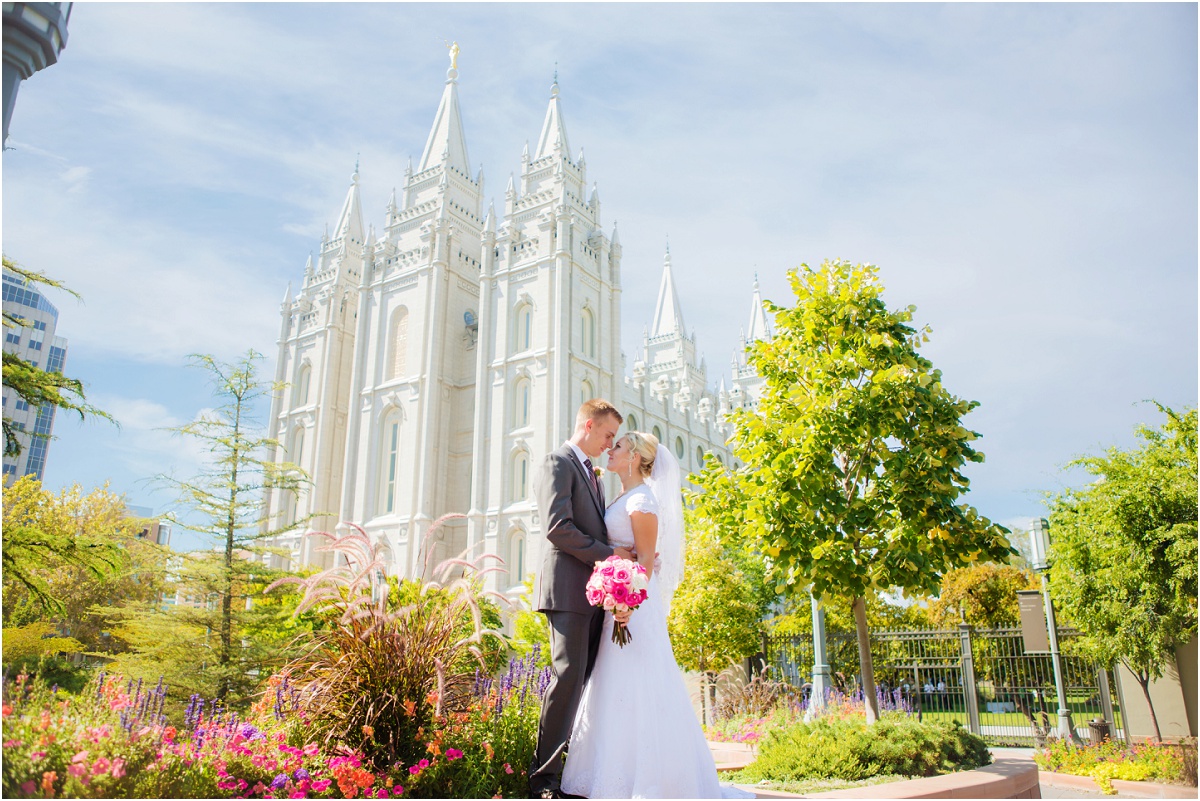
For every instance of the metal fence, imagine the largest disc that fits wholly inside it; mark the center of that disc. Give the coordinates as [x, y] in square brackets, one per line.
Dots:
[980, 677]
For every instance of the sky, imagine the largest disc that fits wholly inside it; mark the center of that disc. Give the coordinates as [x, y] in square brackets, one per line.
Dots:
[1024, 174]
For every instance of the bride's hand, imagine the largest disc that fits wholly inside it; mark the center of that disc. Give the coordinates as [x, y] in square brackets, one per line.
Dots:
[625, 553]
[623, 617]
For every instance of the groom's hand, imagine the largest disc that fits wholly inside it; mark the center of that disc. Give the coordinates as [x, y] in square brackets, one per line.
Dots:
[625, 553]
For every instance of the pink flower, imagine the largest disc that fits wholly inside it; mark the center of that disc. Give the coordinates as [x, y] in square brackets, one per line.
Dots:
[80, 757]
[100, 766]
[28, 787]
[607, 570]
[507, 768]
[397, 790]
[622, 574]
[620, 593]
[12, 743]
[36, 755]
[311, 749]
[595, 596]
[609, 604]
[118, 768]
[453, 754]
[298, 794]
[414, 770]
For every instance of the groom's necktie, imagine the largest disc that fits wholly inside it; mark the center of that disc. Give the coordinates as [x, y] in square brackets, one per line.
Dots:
[595, 481]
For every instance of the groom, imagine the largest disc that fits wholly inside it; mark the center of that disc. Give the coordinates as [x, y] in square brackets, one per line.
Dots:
[571, 501]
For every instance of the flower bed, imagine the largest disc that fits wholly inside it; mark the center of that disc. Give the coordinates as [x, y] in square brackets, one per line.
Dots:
[1110, 760]
[751, 722]
[114, 741]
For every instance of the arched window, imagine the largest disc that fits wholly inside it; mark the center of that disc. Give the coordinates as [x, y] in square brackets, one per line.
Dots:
[302, 381]
[699, 456]
[520, 476]
[398, 361]
[522, 400]
[586, 392]
[296, 451]
[390, 466]
[523, 333]
[658, 433]
[516, 557]
[679, 448]
[631, 423]
[589, 332]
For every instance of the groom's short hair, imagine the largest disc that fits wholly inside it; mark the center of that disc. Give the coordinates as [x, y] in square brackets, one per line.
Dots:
[594, 409]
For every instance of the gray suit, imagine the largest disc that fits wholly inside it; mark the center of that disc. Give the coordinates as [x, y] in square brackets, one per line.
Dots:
[576, 539]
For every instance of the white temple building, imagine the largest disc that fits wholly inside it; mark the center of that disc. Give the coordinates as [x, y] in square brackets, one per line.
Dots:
[433, 364]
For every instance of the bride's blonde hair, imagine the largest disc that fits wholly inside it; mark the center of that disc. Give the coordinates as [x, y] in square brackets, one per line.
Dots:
[646, 446]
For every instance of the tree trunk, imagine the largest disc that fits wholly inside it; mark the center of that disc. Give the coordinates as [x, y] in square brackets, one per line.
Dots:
[870, 702]
[711, 678]
[1143, 680]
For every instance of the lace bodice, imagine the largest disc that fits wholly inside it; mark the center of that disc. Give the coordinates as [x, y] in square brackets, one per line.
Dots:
[616, 519]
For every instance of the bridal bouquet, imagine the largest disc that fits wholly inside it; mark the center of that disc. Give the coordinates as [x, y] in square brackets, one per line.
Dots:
[618, 585]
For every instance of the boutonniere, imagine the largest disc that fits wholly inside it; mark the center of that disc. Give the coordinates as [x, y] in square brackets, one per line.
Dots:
[599, 471]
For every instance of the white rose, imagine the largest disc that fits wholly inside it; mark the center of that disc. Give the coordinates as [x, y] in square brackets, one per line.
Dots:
[638, 581]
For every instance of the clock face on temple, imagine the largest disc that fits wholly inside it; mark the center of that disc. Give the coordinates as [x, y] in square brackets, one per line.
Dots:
[469, 317]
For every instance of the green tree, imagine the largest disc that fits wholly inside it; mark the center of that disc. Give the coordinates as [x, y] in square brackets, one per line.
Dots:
[983, 595]
[226, 504]
[716, 618]
[89, 535]
[36, 386]
[852, 479]
[1123, 552]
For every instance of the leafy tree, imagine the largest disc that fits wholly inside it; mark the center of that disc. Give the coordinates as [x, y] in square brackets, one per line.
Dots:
[984, 595]
[715, 616]
[796, 617]
[226, 503]
[852, 479]
[32, 384]
[1123, 553]
[87, 535]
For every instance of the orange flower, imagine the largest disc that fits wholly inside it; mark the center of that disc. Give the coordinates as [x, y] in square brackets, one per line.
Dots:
[487, 749]
[48, 779]
[433, 748]
[410, 708]
[368, 731]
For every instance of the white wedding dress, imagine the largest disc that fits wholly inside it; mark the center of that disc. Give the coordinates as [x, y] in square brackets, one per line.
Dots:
[636, 734]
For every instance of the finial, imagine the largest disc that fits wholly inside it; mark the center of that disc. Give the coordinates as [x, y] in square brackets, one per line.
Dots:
[668, 247]
[354, 177]
[554, 86]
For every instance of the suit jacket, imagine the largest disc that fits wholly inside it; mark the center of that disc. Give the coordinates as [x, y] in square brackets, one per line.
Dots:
[575, 533]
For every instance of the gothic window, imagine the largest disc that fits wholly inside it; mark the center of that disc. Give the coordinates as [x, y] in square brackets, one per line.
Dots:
[589, 333]
[586, 392]
[520, 476]
[523, 334]
[631, 423]
[658, 433]
[398, 363]
[679, 448]
[302, 382]
[522, 399]
[391, 462]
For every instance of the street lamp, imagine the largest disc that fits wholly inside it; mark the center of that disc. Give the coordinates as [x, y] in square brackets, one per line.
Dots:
[1039, 539]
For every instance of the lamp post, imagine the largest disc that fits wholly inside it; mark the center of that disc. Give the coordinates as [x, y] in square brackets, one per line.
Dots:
[820, 673]
[1039, 538]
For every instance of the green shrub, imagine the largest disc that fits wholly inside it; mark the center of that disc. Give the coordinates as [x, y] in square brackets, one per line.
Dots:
[849, 749]
[1113, 760]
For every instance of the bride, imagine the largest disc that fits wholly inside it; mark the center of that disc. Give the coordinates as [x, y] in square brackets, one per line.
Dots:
[636, 734]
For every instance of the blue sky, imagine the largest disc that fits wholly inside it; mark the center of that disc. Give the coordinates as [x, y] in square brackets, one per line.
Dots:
[1025, 175]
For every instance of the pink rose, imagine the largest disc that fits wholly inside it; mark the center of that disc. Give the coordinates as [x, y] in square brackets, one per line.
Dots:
[595, 596]
[620, 593]
[607, 570]
[609, 603]
[622, 575]
[608, 585]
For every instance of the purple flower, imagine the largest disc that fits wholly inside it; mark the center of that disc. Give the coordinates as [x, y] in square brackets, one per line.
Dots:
[300, 775]
[250, 732]
[279, 782]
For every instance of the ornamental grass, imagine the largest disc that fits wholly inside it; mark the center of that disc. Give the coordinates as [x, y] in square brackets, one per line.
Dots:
[377, 676]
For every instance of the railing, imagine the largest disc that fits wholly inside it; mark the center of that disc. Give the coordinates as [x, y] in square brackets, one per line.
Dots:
[980, 677]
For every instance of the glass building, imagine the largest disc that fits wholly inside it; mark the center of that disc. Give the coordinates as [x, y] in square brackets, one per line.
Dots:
[35, 342]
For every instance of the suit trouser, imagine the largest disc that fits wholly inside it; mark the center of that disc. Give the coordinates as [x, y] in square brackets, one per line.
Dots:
[574, 641]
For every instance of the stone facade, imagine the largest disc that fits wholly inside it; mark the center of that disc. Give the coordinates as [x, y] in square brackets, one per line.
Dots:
[432, 366]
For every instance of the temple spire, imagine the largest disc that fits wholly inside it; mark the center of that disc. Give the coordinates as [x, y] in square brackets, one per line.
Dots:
[350, 222]
[554, 130]
[446, 136]
[667, 315]
[758, 317]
